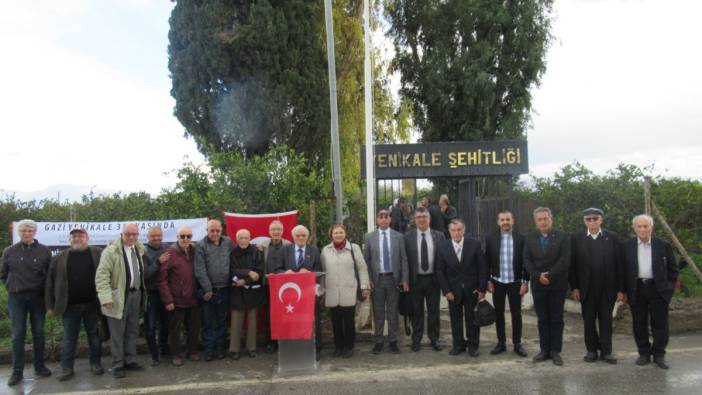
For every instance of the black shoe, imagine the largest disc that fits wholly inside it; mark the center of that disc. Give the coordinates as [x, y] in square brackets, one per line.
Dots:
[66, 375]
[393, 348]
[519, 350]
[540, 357]
[133, 366]
[473, 352]
[337, 352]
[590, 356]
[609, 359]
[378, 348]
[221, 355]
[251, 354]
[347, 353]
[436, 346]
[208, 357]
[155, 362]
[15, 379]
[643, 360]
[42, 371]
[557, 360]
[660, 362]
[97, 369]
[456, 351]
[118, 373]
[499, 349]
[416, 347]
[235, 355]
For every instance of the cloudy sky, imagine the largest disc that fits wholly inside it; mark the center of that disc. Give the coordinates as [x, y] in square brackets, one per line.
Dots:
[85, 94]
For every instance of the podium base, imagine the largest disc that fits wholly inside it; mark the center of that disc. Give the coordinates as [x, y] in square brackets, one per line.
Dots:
[297, 357]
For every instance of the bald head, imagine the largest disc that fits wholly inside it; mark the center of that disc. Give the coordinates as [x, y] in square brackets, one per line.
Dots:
[130, 234]
[214, 231]
[155, 236]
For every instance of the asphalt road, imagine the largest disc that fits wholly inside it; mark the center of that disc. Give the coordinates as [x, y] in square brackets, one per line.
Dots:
[424, 372]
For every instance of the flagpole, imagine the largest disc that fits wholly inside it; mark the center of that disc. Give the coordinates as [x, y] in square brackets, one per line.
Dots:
[335, 154]
[368, 104]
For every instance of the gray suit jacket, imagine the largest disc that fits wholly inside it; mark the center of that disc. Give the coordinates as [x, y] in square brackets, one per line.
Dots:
[398, 256]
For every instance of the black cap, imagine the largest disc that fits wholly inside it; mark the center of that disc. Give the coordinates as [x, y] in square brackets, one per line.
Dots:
[593, 211]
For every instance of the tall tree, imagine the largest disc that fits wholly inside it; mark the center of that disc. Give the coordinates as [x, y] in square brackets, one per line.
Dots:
[468, 65]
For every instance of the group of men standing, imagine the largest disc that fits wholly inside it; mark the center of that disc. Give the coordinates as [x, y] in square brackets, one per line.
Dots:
[171, 284]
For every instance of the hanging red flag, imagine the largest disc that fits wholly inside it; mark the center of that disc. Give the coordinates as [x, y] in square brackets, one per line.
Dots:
[258, 224]
[292, 299]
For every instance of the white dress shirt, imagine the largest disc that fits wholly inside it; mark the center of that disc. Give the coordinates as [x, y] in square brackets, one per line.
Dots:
[594, 236]
[380, 248]
[128, 253]
[458, 248]
[645, 259]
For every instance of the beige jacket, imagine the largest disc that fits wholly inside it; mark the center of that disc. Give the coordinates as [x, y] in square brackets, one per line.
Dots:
[340, 279]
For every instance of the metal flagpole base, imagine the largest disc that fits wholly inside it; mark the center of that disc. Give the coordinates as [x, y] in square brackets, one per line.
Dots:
[297, 357]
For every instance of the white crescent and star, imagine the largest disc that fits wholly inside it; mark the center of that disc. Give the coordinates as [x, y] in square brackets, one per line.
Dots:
[289, 308]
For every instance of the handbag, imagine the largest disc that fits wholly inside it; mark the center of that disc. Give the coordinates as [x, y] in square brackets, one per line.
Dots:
[359, 291]
[484, 313]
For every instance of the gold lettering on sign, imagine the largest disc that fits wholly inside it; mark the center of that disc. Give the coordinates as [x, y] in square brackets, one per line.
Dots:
[406, 160]
[452, 160]
[495, 161]
[381, 160]
[473, 158]
[392, 160]
[435, 159]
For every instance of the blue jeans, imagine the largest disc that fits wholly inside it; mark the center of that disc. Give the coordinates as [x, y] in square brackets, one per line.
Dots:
[19, 306]
[214, 317]
[156, 316]
[89, 314]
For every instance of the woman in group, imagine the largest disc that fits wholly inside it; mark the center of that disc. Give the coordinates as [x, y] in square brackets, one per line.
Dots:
[246, 270]
[343, 263]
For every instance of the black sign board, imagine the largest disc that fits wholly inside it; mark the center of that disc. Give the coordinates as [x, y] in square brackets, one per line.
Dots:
[449, 159]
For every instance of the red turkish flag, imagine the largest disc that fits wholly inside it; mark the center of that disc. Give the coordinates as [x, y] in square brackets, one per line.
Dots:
[292, 298]
[258, 224]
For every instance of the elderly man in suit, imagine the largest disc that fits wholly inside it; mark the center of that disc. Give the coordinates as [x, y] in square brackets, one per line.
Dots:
[303, 257]
[422, 245]
[547, 259]
[462, 274]
[504, 251]
[596, 279]
[384, 253]
[650, 276]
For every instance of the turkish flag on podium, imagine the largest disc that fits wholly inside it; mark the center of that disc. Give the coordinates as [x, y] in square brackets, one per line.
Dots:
[292, 298]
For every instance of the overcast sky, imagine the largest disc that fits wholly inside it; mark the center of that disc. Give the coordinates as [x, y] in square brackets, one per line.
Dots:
[85, 93]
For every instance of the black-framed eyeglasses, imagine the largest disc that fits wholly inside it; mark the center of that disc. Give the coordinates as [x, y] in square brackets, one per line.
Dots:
[183, 237]
[591, 219]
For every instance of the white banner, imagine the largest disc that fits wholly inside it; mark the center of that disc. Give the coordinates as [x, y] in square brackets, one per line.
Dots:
[55, 234]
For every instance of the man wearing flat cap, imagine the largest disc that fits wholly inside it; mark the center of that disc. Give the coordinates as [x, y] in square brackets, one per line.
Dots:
[71, 295]
[596, 278]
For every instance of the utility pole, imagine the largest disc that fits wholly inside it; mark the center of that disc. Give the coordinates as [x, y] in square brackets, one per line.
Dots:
[368, 104]
[335, 155]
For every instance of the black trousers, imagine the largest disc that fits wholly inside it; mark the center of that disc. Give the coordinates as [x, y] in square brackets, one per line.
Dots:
[426, 289]
[597, 314]
[511, 292]
[549, 304]
[649, 303]
[460, 312]
[344, 326]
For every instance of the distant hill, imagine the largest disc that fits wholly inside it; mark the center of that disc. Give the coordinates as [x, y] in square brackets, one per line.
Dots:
[61, 192]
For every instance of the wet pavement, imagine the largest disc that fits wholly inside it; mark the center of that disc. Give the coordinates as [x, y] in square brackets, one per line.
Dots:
[424, 372]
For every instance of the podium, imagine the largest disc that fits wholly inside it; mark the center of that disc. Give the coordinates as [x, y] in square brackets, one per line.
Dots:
[297, 356]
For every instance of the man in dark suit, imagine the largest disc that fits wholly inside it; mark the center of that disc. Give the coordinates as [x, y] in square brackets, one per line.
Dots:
[650, 275]
[547, 258]
[596, 279]
[384, 253]
[462, 274]
[422, 245]
[398, 216]
[437, 217]
[504, 252]
[302, 257]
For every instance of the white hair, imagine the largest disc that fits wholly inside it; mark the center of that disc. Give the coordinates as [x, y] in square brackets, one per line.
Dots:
[642, 216]
[26, 223]
[240, 231]
[299, 227]
[275, 222]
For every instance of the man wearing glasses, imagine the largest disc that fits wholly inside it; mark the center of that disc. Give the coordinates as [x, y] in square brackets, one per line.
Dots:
[596, 278]
[119, 281]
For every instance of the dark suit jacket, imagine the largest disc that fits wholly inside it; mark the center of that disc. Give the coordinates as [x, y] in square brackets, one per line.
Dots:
[664, 267]
[398, 219]
[555, 261]
[469, 274]
[580, 265]
[437, 219]
[413, 253]
[312, 261]
[493, 242]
